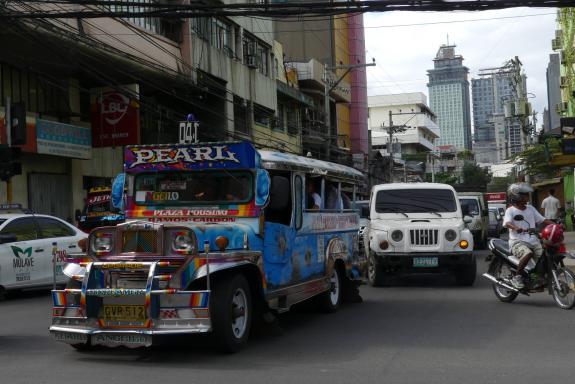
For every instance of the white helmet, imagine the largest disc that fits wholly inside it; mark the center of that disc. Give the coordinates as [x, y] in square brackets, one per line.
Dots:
[516, 189]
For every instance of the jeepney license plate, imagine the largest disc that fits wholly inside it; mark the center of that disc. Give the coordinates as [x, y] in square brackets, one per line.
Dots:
[124, 312]
[425, 262]
[127, 339]
[70, 337]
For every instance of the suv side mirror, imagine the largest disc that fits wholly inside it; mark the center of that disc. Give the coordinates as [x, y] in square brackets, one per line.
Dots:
[7, 238]
[467, 219]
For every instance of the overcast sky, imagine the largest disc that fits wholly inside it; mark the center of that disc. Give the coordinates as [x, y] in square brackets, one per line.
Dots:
[404, 52]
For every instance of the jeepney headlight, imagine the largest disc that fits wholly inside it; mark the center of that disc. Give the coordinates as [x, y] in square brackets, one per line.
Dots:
[180, 241]
[102, 243]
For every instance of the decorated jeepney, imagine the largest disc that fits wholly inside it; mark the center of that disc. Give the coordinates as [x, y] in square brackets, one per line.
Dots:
[216, 234]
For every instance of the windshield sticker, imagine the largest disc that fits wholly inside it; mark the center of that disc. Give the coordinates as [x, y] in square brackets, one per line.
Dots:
[98, 199]
[173, 185]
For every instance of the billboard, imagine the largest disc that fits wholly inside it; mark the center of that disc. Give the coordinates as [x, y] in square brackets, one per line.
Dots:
[115, 116]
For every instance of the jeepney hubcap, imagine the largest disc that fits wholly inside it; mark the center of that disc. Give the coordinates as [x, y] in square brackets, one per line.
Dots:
[334, 294]
[239, 313]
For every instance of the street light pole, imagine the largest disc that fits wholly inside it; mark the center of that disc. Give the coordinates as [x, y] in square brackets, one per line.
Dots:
[327, 90]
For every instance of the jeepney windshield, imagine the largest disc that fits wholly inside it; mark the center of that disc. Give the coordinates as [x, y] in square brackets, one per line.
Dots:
[193, 188]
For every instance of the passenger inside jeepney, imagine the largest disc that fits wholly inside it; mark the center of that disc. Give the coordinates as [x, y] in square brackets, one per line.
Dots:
[313, 193]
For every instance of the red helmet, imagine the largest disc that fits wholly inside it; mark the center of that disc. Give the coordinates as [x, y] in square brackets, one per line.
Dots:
[552, 235]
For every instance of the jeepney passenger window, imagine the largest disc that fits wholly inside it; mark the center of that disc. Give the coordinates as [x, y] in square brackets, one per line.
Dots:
[298, 201]
[334, 201]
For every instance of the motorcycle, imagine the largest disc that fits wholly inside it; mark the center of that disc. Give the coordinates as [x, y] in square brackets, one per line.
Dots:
[549, 272]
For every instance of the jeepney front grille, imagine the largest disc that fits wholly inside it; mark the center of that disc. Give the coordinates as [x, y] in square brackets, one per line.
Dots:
[423, 237]
[139, 241]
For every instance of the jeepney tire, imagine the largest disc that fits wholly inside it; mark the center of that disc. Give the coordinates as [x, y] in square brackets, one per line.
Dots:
[330, 300]
[229, 293]
[465, 276]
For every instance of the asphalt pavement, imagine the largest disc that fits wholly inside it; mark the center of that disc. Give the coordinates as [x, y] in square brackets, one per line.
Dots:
[421, 330]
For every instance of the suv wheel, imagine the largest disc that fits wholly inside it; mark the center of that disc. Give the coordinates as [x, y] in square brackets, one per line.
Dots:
[375, 274]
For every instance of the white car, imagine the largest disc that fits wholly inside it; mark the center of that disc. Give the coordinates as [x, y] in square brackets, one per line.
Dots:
[29, 244]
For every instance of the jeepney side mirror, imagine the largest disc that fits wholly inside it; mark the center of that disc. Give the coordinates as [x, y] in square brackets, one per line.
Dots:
[279, 195]
[365, 211]
[7, 238]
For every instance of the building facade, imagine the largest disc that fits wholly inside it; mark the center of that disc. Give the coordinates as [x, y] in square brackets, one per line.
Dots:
[323, 62]
[414, 140]
[449, 98]
[91, 86]
[553, 94]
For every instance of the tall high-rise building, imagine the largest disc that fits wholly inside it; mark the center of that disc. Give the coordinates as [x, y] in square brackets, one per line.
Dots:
[449, 98]
[553, 93]
[500, 112]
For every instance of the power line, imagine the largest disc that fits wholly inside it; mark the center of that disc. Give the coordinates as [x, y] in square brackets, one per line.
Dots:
[288, 9]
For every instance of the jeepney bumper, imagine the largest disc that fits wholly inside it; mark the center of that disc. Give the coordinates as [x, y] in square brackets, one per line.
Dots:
[167, 312]
[423, 261]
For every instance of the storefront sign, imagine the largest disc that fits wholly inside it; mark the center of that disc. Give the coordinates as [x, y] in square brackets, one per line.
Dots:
[115, 116]
[495, 196]
[63, 139]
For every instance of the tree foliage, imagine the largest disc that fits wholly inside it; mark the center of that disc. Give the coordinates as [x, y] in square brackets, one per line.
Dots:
[500, 184]
[446, 178]
[534, 160]
[475, 176]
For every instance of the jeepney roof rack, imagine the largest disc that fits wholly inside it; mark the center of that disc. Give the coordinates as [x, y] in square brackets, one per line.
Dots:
[16, 208]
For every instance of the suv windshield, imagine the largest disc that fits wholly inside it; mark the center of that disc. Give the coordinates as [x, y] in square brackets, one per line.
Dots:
[197, 188]
[471, 204]
[415, 201]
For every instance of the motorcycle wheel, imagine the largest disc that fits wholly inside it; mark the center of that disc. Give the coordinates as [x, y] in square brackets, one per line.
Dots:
[502, 271]
[564, 295]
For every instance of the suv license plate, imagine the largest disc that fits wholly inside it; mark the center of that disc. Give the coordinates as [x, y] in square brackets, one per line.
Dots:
[425, 262]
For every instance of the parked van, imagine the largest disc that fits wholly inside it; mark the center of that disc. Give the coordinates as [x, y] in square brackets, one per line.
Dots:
[473, 205]
[418, 227]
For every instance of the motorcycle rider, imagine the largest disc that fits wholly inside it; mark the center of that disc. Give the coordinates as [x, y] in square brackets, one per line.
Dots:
[523, 245]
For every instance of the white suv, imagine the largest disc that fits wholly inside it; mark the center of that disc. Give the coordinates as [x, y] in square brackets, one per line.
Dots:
[418, 227]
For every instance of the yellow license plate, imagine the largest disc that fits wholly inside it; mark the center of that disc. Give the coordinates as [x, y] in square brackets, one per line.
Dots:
[125, 312]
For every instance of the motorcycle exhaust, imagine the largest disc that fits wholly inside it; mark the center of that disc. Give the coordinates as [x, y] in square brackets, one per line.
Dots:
[499, 282]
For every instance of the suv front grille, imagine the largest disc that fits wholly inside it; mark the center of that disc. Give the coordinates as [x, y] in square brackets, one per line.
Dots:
[424, 236]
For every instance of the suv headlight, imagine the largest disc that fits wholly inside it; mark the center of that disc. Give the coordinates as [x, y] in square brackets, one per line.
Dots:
[450, 235]
[397, 235]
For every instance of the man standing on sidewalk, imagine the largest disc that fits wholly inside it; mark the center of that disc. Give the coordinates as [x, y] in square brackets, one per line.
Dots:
[551, 206]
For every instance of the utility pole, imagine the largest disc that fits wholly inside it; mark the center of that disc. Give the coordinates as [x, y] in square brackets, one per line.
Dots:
[328, 87]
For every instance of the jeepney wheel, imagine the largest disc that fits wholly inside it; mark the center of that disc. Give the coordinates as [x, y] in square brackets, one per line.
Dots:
[231, 307]
[330, 300]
